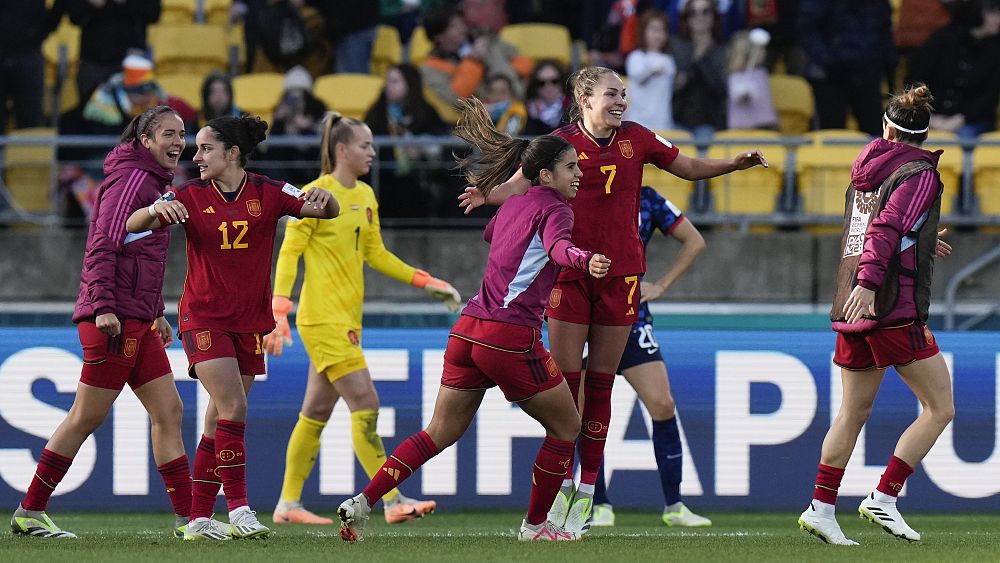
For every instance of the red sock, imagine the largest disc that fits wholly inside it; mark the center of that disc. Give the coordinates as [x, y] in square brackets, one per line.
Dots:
[177, 478]
[551, 467]
[894, 477]
[52, 467]
[231, 457]
[827, 483]
[410, 455]
[573, 380]
[595, 417]
[204, 480]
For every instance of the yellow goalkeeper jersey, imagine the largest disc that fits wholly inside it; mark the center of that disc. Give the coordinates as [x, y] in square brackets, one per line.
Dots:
[335, 251]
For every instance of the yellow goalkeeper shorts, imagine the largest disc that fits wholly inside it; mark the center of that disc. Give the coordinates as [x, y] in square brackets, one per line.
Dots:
[334, 350]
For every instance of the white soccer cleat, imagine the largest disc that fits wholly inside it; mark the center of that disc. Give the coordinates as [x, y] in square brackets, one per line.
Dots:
[580, 514]
[243, 525]
[604, 516]
[680, 515]
[180, 524]
[353, 514]
[546, 531]
[824, 527]
[886, 515]
[36, 524]
[206, 529]
[560, 505]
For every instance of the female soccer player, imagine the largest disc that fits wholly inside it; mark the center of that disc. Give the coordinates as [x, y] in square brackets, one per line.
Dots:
[879, 311]
[600, 313]
[644, 368]
[497, 340]
[329, 317]
[229, 217]
[119, 316]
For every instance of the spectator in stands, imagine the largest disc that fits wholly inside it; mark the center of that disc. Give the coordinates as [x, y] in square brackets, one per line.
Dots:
[959, 64]
[603, 27]
[23, 26]
[750, 105]
[298, 113]
[850, 48]
[217, 98]
[700, 87]
[409, 174]
[350, 27]
[547, 102]
[651, 71]
[506, 110]
[109, 30]
[404, 15]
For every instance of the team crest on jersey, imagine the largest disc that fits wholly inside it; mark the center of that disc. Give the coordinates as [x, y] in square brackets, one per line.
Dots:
[253, 207]
[368, 213]
[129, 348]
[555, 298]
[551, 367]
[928, 337]
[203, 340]
[626, 148]
[352, 337]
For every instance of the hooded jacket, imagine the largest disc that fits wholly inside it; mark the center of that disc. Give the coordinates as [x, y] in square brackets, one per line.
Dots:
[122, 272]
[907, 208]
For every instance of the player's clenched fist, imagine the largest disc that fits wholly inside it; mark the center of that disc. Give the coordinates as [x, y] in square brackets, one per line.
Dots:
[599, 265]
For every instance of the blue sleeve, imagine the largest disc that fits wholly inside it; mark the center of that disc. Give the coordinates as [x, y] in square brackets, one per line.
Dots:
[656, 212]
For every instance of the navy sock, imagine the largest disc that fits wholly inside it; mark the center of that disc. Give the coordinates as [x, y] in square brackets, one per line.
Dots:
[667, 451]
[601, 488]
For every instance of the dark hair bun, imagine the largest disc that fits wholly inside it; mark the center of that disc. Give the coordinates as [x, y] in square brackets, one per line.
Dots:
[256, 129]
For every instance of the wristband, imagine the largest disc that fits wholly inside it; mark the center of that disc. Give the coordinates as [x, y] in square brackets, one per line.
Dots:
[152, 211]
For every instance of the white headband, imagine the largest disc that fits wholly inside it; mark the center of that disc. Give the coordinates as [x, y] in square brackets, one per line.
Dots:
[904, 129]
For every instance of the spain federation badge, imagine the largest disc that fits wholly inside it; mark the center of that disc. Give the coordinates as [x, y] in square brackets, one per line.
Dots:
[253, 207]
[626, 147]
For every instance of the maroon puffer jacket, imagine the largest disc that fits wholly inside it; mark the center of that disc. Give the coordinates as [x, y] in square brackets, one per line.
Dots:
[122, 272]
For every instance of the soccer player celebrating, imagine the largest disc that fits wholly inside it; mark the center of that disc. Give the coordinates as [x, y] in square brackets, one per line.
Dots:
[600, 313]
[879, 313]
[229, 217]
[497, 339]
[329, 317]
[119, 316]
[644, 368]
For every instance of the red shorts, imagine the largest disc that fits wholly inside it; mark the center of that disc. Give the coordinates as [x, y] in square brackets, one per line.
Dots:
[606, 301]
[482, 354]
[136, 356]
[202, 345]
[884, 347]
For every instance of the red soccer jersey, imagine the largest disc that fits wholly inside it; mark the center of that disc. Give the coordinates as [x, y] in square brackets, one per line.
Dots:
[606, 206]
[229, 249]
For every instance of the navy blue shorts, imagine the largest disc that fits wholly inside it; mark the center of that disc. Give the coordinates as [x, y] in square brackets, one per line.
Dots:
[641, 348]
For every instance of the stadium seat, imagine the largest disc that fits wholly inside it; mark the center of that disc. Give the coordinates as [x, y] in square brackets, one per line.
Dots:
[986, 174]
[540, 41]
[949, 167]
[420, 46]
[793, 99]
[350, 94]
[29, 170]
[387, 50]
[196, 49]
[677, 190]
[217, 11]
[258, 93]
[65, 38]
[752, 191]
[184, 86]
[824, 170]
[177, 11]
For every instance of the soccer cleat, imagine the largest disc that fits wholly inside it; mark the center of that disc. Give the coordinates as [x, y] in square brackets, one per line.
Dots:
[683, 517]
[824, 527]
[546, 531]
[404, 509]
[886, 515]
[353, 514]
[206, 529]
[580, 514]
[295, 513]
[425, 507]
[560, 505]
[604, 515]
[243, 525]
[180, 524]
[36, 524]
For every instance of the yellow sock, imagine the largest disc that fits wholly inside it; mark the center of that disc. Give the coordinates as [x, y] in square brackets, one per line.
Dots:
[368, 445]
[300, 457]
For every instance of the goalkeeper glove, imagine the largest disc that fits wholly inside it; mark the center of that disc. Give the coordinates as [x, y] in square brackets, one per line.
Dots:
[282, 334]
[438, 289]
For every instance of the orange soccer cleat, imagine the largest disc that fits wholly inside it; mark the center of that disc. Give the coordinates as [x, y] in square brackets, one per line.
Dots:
[297, 514]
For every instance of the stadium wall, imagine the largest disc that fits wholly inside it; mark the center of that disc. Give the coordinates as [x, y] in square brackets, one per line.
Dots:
[754, 408]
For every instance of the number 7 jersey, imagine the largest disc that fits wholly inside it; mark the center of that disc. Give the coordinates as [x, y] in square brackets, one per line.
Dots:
[607, 203]
[229, 249]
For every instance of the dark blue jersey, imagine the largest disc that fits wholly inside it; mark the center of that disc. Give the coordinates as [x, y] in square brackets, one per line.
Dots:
[655, 212]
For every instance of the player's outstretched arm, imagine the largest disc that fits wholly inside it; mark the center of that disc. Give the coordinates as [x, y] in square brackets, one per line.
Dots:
[320, 204]
[149, 217]
[701, 168]
[472, 197]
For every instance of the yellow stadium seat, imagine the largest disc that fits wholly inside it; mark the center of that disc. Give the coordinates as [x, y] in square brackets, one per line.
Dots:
[420, 46]
[258, 93]
[387, 51]
[65, 38]
[184, 86]
[752, 191]
[217, 11]
[986, 178]
[793, 100]
[677, 190]
[189, 48]
[348, 93]
[540, 41]
[29, 170]
[824, 170]
[177, 11]
[949, 167]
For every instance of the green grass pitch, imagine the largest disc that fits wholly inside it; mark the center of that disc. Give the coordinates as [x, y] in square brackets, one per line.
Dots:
[489, 536]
